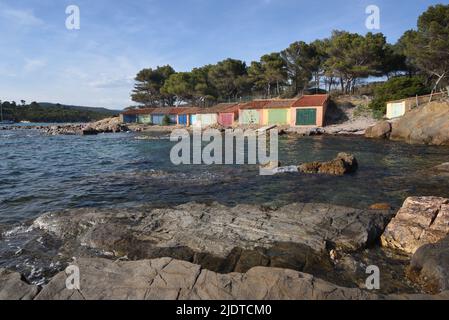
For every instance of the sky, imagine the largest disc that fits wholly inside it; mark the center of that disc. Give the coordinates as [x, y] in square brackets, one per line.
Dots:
[42, 60]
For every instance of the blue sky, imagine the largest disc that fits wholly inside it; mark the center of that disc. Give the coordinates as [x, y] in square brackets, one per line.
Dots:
[41, 60]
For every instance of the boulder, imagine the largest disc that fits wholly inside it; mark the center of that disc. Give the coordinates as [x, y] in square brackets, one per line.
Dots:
[220, 238]
[428, 124]
[343, 164]
[420, 221]
[380, 130]
[429, 266]
[14, 287]
[169, 279]
[108, 125]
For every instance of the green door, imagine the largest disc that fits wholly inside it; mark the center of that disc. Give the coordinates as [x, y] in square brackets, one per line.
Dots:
[305, 117]
[277, 116]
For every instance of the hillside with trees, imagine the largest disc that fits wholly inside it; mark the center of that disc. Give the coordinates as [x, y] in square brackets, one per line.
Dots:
[52, 113]
[344, 63]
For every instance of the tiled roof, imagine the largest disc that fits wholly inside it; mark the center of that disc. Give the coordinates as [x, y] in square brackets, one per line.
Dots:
[174, 110]
[255, 104]
[280, 103]
[311, 100]
[232, 109]
[138, 111]
[221, 107]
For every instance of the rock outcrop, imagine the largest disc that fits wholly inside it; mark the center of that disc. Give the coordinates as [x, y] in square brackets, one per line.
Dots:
[14, 287]
[428, 124]
[380, 130]
[343, 164]
[109, 125]
[420, 221]
[220, 238]
[168, 279]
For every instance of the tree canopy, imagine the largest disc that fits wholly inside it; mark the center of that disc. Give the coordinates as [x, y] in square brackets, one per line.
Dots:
[342, 62]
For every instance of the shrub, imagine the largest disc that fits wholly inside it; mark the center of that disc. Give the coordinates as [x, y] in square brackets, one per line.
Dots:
[166, 121]
[397, 88]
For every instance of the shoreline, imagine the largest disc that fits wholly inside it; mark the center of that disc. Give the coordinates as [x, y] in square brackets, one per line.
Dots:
[127, 248]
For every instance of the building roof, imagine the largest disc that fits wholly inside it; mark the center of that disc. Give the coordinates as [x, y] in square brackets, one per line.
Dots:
[311, 100]
[175, 110]
[280, 103]
[269, 104]
[255, 104]
[189, 110]
[134, 112]
[232, 109]
[221, 107]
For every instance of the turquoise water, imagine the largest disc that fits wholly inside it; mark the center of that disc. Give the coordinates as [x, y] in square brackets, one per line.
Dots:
[40, 173]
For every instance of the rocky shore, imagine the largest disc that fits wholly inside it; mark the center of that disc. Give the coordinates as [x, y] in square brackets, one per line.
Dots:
[109, 125]
[198, 251]
[428, 124]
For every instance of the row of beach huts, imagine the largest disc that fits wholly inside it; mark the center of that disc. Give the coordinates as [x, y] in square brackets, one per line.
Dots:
[308, 110]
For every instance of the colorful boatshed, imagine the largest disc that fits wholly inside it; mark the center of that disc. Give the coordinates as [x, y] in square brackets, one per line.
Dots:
[158, 115]
[251, 113]
[187, 116]
[142, 115]
[277, 112]
[309, 110]
[210, 116]
[229, 114]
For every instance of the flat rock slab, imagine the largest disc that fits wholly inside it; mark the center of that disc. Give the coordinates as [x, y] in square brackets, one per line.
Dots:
[168, 279]
[216, 229]
[420, 221]
[14, 287]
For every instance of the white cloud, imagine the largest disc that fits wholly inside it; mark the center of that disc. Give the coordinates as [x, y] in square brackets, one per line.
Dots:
[21, 17]
[32, 65]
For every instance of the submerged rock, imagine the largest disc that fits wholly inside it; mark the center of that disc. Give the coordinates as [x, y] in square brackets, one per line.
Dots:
[343, 164]
[221, 238]
[168, 279]
[14, 287]
[420, 221]
[381, 206]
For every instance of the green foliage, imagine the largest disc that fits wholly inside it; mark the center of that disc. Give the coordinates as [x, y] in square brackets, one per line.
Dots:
[166, 120]
[52, 113]
[301, 60]
[229, 78]
[397, 88]
[428, 47]
[341, 62]
[149, 82]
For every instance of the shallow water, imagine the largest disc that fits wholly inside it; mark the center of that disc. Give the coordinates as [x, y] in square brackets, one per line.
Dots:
[40, 173]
